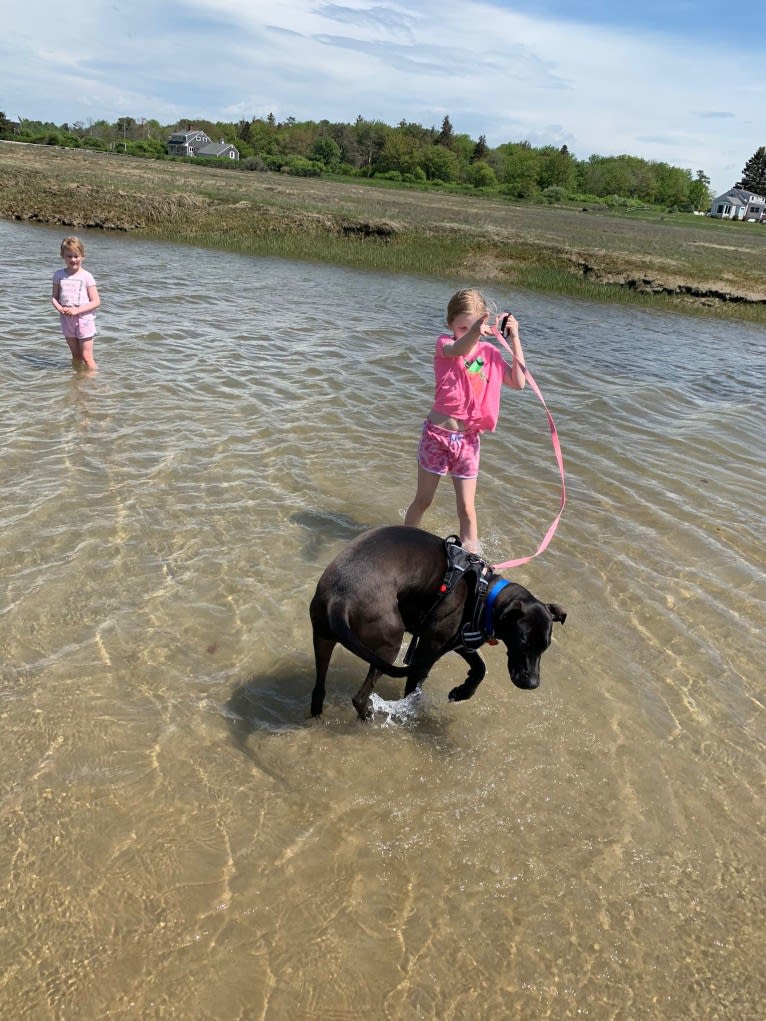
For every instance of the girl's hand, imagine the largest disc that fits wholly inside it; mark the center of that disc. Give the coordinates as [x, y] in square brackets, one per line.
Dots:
[510, 325]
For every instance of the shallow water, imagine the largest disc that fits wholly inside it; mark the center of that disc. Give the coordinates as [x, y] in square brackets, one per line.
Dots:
[179, 840]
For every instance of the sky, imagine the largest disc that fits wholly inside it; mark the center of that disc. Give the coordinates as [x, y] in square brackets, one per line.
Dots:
[682, 81]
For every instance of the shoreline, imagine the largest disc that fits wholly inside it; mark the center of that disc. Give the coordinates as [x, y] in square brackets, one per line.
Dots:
[674, 262]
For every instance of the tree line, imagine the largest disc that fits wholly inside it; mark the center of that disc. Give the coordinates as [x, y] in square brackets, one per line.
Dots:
[410, 154]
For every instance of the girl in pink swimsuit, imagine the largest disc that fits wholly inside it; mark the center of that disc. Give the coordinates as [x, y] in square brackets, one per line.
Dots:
[469, 373]
[75, 298]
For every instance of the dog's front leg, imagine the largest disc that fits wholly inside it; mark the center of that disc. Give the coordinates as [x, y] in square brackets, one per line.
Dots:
[361, 700]
[476, 673]
[415, 678]
[424, 659]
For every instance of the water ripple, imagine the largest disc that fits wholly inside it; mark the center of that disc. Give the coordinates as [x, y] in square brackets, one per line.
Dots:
[179, 833]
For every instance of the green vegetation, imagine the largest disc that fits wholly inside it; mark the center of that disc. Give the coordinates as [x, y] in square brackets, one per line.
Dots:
[754, 172]
[607, 252]
[407, 154]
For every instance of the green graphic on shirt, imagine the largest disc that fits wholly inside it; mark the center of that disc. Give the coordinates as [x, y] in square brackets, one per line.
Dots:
[475, 366]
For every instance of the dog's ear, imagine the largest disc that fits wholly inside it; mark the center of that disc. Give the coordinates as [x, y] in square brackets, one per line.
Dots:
[557, 613]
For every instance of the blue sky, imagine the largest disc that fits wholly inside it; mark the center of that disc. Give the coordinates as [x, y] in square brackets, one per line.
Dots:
[682, 82]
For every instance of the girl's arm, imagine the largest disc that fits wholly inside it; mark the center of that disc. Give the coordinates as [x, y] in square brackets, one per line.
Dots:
[458, 348]
[93, 301]
[55, 297]
[514, 375]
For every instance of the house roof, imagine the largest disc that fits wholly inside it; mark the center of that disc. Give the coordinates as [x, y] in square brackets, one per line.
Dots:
[740, 196]
[216, 149]
[184, 136]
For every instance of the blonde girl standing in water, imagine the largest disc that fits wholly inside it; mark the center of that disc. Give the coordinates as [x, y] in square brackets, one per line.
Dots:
[75, 297]
[469, 372]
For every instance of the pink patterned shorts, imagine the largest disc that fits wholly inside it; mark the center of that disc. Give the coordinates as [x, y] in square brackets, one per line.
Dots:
[443, 452]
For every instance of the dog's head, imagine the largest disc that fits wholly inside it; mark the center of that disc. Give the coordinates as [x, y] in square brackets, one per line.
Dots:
[525, 625]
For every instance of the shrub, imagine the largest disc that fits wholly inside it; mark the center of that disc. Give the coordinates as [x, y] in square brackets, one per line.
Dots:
[554, 193]
[481, 175]
[254, 163]
[299, 166]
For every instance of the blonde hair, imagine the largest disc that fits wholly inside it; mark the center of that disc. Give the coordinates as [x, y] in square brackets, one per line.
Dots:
[74, 244]
[469, 299]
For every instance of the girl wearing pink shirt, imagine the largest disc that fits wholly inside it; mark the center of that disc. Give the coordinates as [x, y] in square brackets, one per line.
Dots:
[75, 298]
[469, 372]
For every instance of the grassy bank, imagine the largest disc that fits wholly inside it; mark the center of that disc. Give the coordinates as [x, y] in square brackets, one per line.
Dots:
[692, 264]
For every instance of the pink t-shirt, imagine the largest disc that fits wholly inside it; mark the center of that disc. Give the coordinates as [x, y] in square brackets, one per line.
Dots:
[468, 388]
[73, 291]
[73, 287]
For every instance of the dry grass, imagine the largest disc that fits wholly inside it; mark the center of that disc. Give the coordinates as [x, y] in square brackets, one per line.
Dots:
[692, 263]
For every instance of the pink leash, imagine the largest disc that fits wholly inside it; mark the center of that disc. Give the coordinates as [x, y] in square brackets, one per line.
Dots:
[559, 460]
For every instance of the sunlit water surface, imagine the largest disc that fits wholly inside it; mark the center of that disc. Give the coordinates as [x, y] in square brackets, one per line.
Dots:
[179, 840]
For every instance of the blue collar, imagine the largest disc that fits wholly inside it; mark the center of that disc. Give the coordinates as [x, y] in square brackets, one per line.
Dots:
[494, 592]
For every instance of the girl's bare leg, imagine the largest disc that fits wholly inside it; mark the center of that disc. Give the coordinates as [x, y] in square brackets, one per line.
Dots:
[465, 497]
[86, 353]
[74, 347]
[427, 483]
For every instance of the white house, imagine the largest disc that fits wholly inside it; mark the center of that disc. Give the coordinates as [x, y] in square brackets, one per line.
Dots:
[739, 204]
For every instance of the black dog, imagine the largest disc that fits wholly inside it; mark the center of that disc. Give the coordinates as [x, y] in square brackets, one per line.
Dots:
[386, 582]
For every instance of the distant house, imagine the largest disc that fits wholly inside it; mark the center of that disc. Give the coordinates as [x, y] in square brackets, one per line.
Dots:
[196, 143]
[219, 150]
[187, 143]
[739, 204]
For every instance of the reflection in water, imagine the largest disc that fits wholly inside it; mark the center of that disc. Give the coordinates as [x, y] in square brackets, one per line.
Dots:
[182, 840]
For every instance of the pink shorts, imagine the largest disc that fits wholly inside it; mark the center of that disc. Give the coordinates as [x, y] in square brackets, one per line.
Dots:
[443, 452]
[79, 327]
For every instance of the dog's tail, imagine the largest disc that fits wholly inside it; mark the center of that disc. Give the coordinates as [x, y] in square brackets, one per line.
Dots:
[341, 628]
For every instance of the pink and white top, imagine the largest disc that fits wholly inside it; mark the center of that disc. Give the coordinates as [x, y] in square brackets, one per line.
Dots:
[73, 291]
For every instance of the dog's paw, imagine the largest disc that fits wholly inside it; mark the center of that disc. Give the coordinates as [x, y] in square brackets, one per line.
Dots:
[462, 692]
[363, 708]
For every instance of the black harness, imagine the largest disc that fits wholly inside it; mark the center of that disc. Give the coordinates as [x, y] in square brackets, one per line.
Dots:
[472, 633]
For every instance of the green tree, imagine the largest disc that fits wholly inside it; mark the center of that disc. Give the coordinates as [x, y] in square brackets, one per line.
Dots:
[754, 173]
[297, 138]
[439, 164]
[480, 150]
[446, 134]
[401, 152]
[463, 146]
[326, 151]
[556, 168]
[700, 195]
[481, 175]
[370, 139]
[672, 186]
[262, 138]
[125, 127]
[521, 170]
